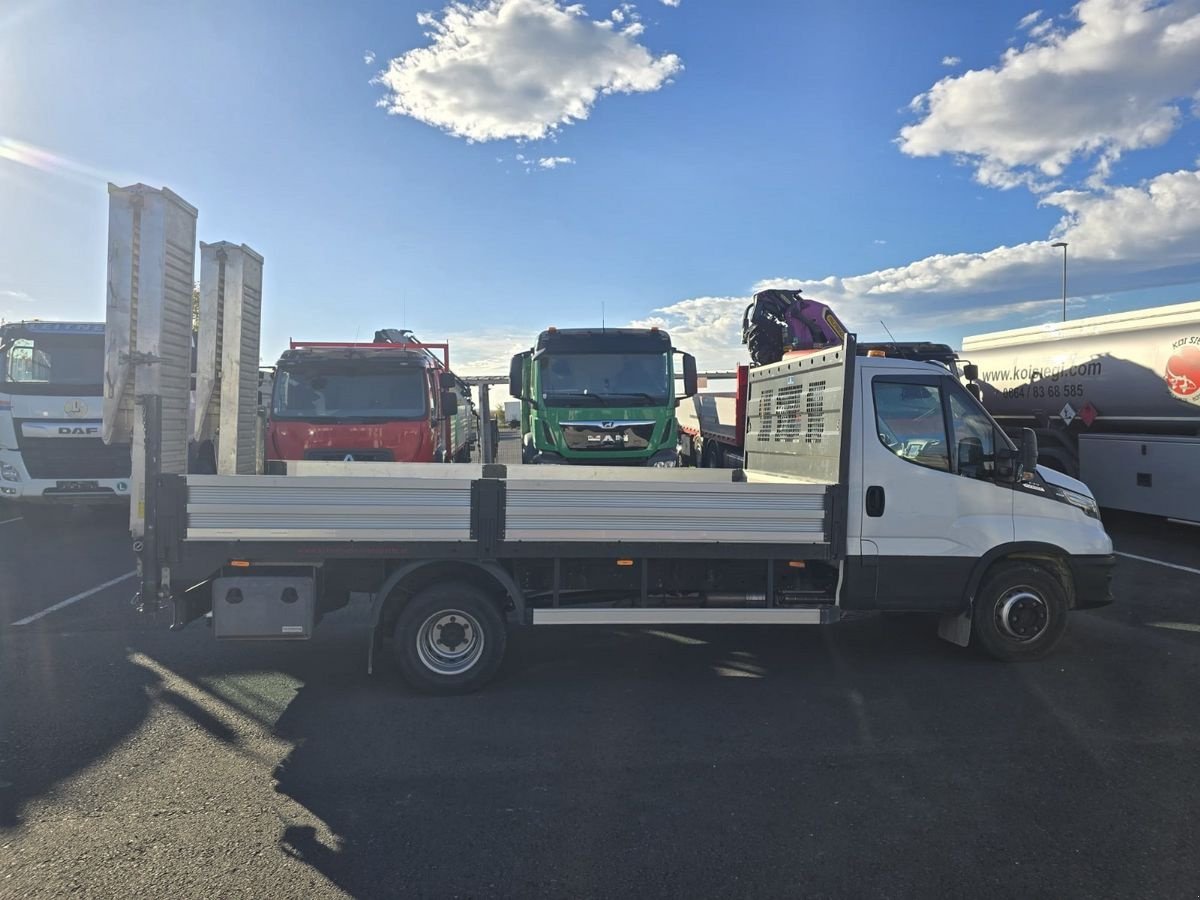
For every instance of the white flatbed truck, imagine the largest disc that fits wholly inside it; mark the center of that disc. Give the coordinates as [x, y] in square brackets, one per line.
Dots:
[867, 484]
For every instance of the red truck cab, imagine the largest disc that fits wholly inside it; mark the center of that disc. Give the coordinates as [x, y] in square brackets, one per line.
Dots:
[378, 402]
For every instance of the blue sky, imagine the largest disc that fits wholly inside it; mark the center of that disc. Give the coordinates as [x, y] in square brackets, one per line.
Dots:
[700, 149]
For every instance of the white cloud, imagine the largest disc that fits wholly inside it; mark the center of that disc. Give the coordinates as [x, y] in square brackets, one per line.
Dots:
[951, 61]
[518, 68]
[476, 354]
[879, 241]
[1041, 29]
[670, 3]
[553, 162]
[20, 296]
[1114, 82]
[708, 327]
[369, 58]
[1124, 239]
[1029, 20]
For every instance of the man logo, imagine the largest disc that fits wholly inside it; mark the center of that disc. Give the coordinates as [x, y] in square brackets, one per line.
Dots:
[75, 409]
[608, 424]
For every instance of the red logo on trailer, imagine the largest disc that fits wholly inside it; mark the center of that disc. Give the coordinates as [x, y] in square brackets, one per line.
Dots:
[1183, 369]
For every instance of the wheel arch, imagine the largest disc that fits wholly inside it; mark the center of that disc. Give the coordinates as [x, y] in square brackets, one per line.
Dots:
[1048, 556]
[409, 578]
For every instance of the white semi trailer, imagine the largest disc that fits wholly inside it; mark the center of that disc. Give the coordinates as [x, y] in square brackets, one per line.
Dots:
[1114, 401]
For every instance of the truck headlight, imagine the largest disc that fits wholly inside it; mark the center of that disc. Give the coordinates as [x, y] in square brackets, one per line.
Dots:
[9, 473]
[1086, 504]
[666, 459]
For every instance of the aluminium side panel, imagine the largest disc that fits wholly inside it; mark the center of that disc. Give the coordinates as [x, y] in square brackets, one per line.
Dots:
[327, 508]
[667, 510]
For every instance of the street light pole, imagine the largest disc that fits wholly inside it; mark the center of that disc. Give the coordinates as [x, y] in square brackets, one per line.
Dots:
[1063, 244]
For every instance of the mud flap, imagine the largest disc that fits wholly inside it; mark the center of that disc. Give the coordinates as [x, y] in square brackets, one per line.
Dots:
[956, 627]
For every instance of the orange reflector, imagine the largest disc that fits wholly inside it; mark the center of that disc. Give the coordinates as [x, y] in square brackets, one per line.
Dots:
[240, 563]
[624, 562]
[797, 564]
[876, 353]
[552, 329]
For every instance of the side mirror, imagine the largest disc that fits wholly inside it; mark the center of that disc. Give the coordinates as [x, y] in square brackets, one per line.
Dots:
[691, 382]
[516, 376]
[970, 456]
[971, 372]
[446, 380]
[1029, 450]
[449, 403]
[975, 391]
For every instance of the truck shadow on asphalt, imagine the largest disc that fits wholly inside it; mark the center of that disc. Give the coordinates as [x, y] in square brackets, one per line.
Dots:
[709, 760]
[58, 716]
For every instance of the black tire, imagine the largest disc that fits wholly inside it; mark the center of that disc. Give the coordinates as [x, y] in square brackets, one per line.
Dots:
[713, 457]
[765, 343]
[433, 639]
[1020, 612]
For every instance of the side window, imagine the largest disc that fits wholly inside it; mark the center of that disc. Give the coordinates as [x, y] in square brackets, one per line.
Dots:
[974, 438]
[908, 418]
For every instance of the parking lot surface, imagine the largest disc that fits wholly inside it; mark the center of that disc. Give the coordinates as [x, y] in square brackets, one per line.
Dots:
[863, 759]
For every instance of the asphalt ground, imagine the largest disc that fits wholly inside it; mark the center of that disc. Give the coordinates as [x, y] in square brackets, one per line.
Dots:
[863, 759]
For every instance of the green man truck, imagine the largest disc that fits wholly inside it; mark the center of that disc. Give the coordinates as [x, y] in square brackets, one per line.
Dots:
[601, 396]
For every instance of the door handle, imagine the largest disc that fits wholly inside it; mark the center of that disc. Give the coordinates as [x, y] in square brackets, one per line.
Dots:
[875, 501]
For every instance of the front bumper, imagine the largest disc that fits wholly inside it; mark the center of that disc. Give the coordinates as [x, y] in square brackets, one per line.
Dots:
[662, 459]
[1092, 578]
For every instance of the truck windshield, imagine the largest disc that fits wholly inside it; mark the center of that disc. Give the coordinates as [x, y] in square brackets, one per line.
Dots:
[625, 379]
[54, 359]
[341, 394]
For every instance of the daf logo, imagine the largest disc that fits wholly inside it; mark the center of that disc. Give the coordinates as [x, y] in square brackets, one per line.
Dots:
[78, 430]
[75, 409]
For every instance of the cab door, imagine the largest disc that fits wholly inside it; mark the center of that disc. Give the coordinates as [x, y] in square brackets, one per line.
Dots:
[931, 505]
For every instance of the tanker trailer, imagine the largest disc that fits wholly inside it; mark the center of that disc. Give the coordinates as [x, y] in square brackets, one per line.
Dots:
[1115, 401]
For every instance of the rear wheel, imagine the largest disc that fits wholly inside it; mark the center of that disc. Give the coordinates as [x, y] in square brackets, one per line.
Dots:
[714, 456]
[450, 639]
[1020, 612]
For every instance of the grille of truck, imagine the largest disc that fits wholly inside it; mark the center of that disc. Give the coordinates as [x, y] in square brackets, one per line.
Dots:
[619, 436]
[75, 458]
[353, 455]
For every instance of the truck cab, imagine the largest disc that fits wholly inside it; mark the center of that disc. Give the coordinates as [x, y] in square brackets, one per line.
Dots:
[51, 451]
[367, 403]
[601, 396]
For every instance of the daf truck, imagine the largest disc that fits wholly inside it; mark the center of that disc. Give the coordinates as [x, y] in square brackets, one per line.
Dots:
[601, 396]
[1114, 401]
[51, 452]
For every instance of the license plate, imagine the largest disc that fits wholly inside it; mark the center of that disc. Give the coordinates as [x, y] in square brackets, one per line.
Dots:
[78, 485]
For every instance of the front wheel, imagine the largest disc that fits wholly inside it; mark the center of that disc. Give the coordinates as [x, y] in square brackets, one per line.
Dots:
[450, 639]
[1020, 612]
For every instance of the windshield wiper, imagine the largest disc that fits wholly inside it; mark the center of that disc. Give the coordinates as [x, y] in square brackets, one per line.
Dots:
[571, 396]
